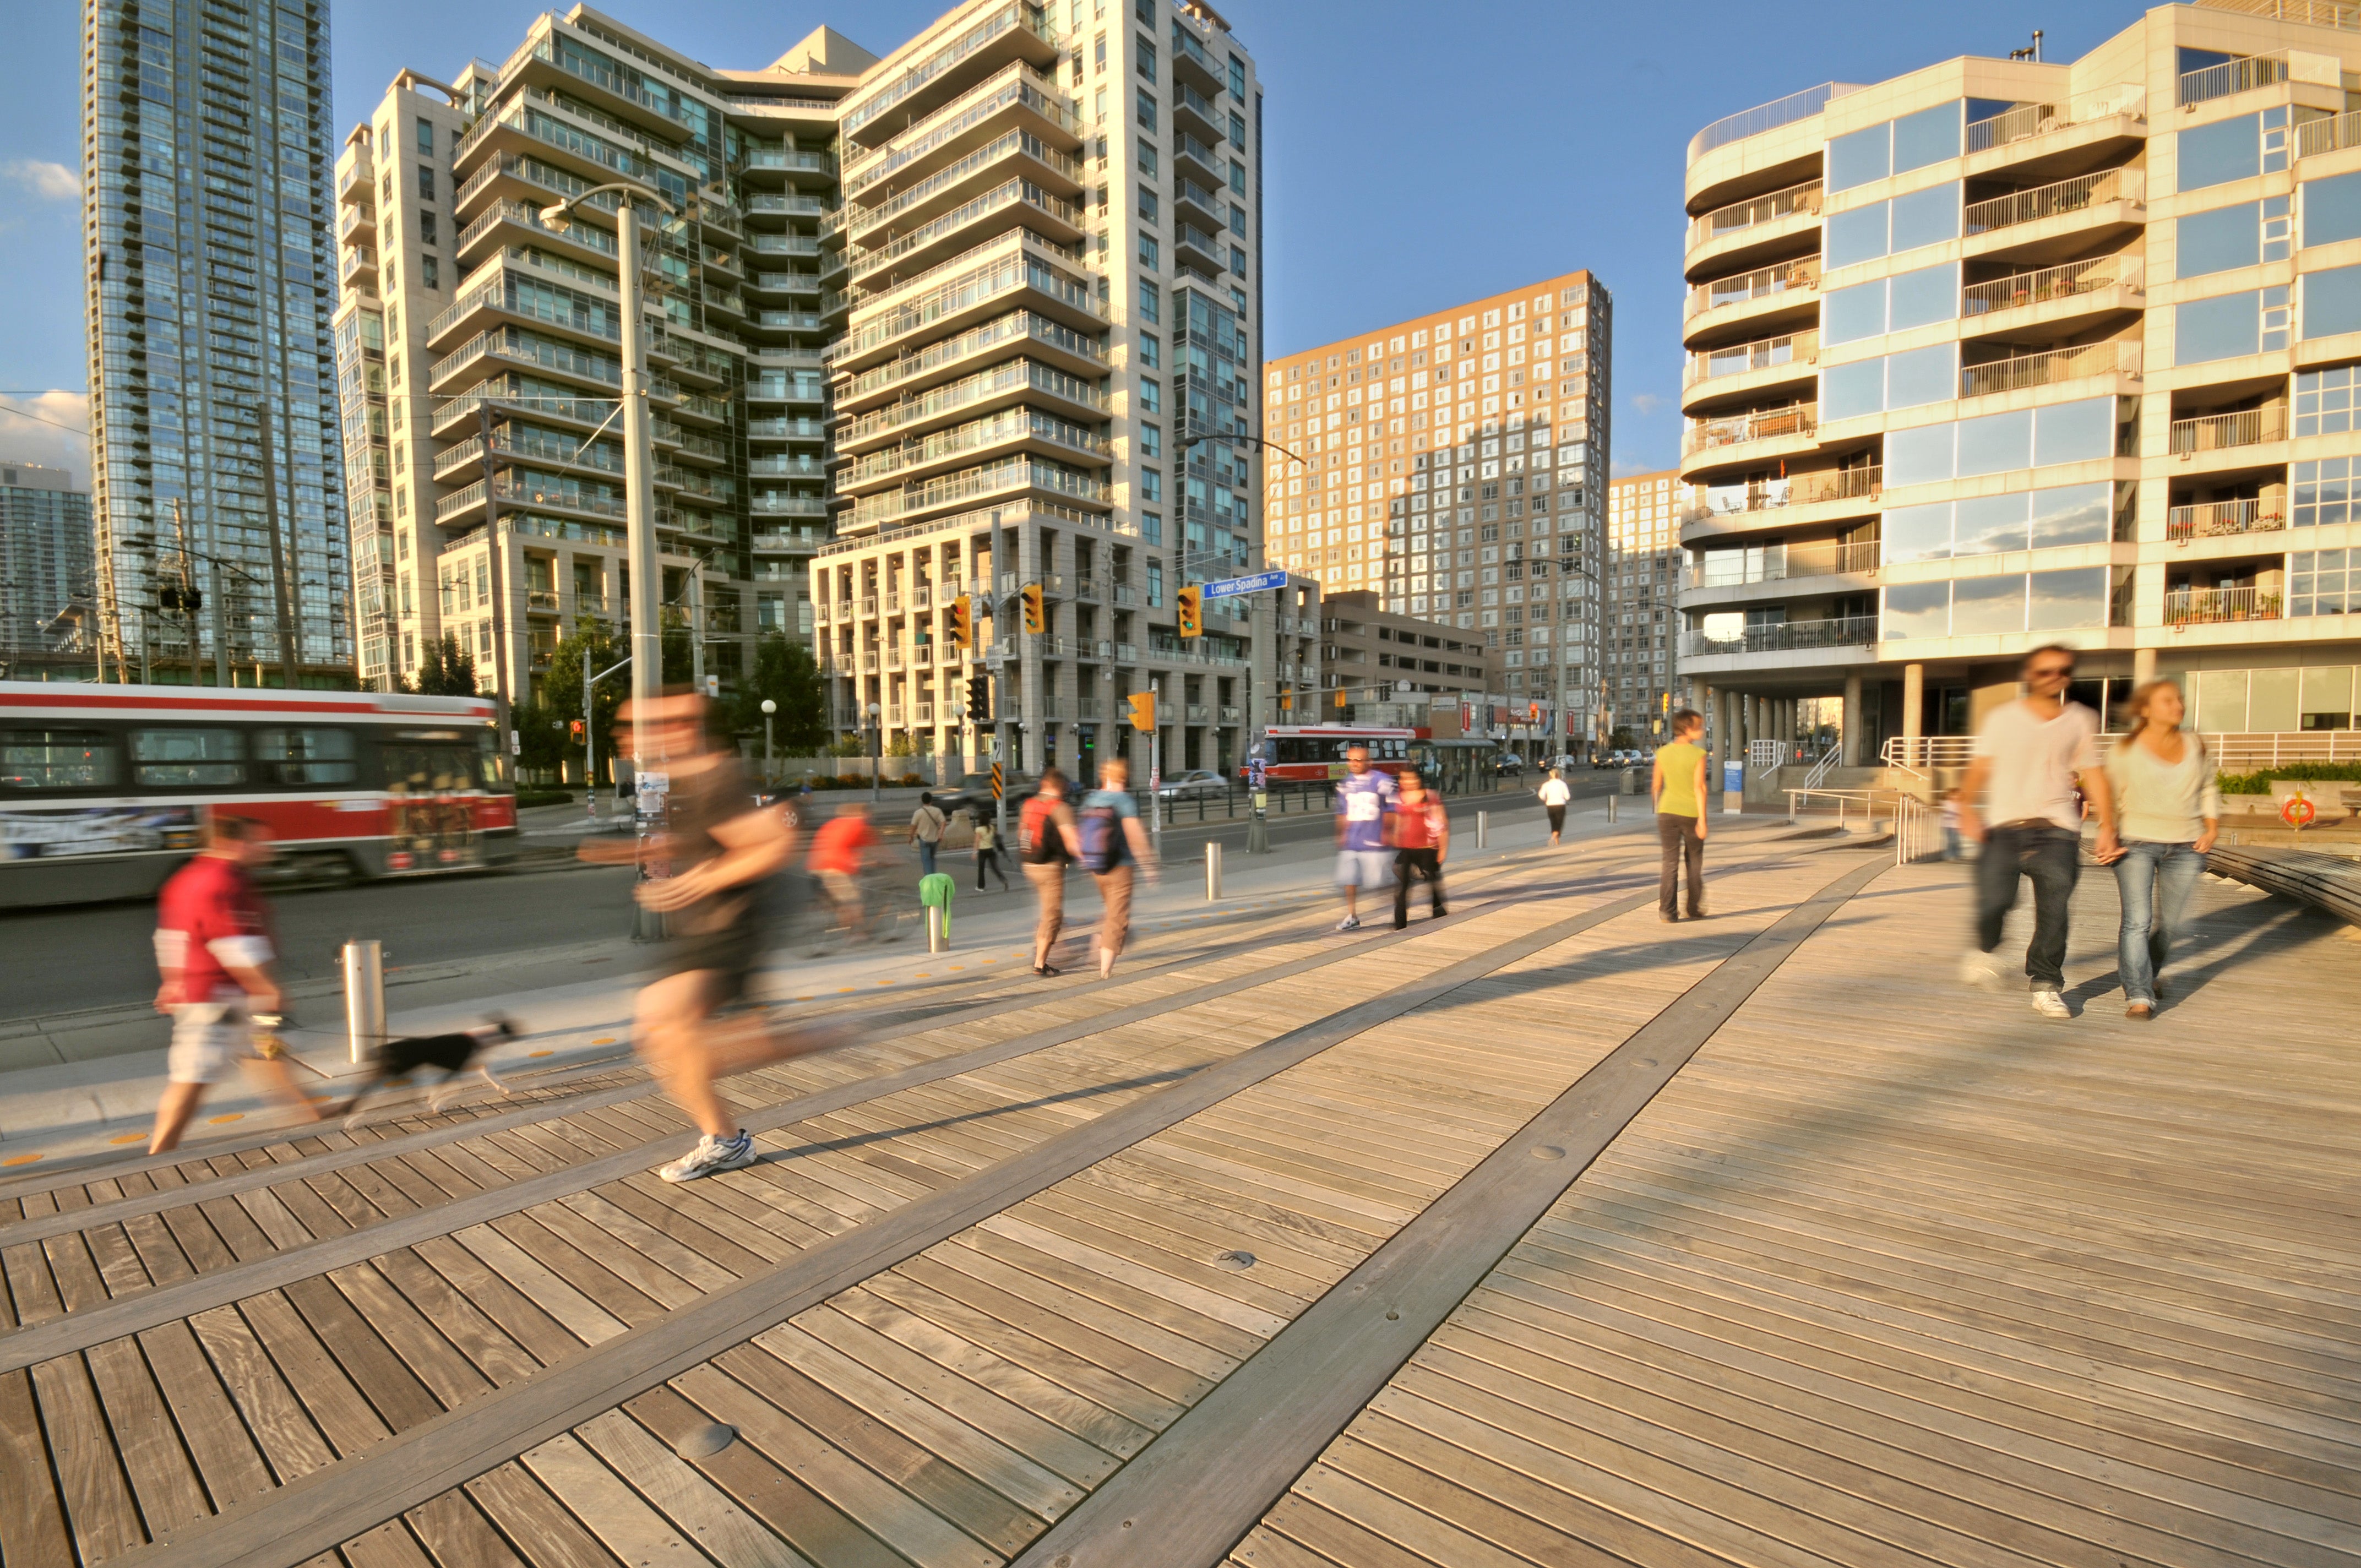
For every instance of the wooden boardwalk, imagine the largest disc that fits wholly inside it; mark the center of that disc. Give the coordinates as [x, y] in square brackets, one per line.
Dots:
[1544, 1234]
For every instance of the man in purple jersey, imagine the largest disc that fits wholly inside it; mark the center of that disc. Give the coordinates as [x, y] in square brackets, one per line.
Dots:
[1365, 856]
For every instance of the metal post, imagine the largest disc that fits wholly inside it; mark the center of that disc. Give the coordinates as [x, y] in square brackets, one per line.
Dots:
[222, 677]
[1156, 763]
[284, 591]
[1213, 873]
[936, 941]
[640, 537]
[1611, 800]
[1483, 828]
[365, 996]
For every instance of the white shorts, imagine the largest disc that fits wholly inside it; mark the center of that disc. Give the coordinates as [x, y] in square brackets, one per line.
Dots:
[1365, 867]
[208, 1039]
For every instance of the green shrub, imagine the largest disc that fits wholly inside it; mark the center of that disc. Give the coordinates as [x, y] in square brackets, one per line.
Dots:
[911, 781]
[2259, 783]
[528, 797]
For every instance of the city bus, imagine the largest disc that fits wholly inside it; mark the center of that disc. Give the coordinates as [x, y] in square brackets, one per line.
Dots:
[104, 789]
[1311, 754]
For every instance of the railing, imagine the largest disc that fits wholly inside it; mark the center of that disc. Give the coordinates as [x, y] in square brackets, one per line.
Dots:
[2076, 195]
[2211, 519]
[983, 279]
[1765, 118]
[2231, 76]
[2208, 607]
[973, 389]
[1785, 564]
[1723, 222]
[1795, 490]
[2014, 124]
[1013, 474]
[541, 598]
[1018, 82]
[2022, 289]
[2315, 137]
[787, 429]
[1786, 277]
[1018, 423]
[1763, 425]
[1923, 753]
[1823, 768]
[1785, 636]
[1765, 354]
[1020, 14]
[2048, 368]
[942, 180]
[2214, 432]
[511, 343]
[788, 506]
[794, 159]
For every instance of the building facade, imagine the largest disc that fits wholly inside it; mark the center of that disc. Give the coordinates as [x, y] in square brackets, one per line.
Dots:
[210, 286]
[49, 580]
[2003, 352]
[1371, 655]
[480, 345]
[1052, 237]
[1641, 624]
[1455, 464]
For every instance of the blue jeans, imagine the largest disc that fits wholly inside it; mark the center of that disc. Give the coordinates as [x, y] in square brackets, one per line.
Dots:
[2047, 855]
[2155, 881]
[927, 857]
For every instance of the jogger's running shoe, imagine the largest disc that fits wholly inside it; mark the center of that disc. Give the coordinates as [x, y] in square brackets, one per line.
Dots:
[712, 1156]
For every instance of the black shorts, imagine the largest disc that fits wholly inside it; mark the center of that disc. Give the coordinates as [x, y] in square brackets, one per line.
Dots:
[1556, 816]
[729, 953]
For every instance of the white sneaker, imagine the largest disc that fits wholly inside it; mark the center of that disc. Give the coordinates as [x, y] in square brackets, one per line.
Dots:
[1350, 923]
[712, 1156]
[2049, 1005]
[1978, 969]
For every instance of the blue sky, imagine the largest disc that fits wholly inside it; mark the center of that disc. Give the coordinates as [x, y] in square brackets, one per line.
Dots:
[1413, 158]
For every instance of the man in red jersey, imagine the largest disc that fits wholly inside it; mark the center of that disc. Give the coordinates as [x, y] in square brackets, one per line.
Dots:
[213, 942]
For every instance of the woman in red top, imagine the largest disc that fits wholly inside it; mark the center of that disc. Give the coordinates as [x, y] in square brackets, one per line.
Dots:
[1421, 838]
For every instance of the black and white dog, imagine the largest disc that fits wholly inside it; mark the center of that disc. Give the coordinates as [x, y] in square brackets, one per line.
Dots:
[454, 1053]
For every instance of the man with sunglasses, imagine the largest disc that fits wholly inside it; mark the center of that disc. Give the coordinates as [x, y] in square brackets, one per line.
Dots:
[2029, 756]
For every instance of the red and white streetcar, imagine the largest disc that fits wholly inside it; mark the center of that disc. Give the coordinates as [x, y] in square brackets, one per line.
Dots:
[103, 788]
[1314, 754]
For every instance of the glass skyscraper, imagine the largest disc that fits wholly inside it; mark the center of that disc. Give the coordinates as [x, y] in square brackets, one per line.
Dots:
[211, 285]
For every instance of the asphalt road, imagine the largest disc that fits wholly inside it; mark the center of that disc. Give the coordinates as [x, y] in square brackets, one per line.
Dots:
[101, 954]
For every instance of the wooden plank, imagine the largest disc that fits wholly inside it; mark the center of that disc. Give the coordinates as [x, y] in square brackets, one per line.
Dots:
[227, 1462]
[446, 1374]
[501, 1260]
[146, 1438]
[390, 1545]
[698, 1509]
[532, 1522]
[32, 1519]
[496, 1358]
[289, 1441]
[335, 1403]
[400, 1397]
[612, 1511]
[456, 1533]
[98, 1501]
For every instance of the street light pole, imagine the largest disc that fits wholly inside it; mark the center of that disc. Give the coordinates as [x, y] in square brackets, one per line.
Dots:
[769, 707]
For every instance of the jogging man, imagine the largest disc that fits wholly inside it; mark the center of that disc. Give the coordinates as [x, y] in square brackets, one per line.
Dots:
[213, 944]
[1677, 784]
[1554, 795]
[2029, 756]
[719, 849]
[1364, 857]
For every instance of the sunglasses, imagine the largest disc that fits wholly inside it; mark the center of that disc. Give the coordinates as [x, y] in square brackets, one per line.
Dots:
[2053, 673]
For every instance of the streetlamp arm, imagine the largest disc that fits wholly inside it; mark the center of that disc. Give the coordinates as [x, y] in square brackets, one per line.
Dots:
[1243, 439]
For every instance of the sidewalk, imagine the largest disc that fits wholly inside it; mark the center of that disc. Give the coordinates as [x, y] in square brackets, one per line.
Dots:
[77, 1106]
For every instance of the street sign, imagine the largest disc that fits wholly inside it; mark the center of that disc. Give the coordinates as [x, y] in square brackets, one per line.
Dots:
[1254, 775]
[1229, 587]
[999, 782]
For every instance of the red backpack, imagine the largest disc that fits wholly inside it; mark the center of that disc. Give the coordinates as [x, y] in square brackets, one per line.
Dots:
[1038, 842]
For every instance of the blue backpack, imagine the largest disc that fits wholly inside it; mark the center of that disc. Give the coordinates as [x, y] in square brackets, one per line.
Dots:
[1100, 829]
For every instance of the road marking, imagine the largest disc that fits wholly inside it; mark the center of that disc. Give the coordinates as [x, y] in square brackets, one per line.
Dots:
[538, 1053]
[608, 1041]
[129, 1138]
[20, 1160]
[240, 1115]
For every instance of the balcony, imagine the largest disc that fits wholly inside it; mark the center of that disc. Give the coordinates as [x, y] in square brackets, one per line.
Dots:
[1017, 203]
[515, 490]
[1192, 64]
[2083, 193]
[1018, 88]
[1762, 118]
[510, 346]
[2050, 369]
[2217, 433]
[1794, 422]
[1756, 213]
[1863, 484]
[1006, 383]
[1194, 114]
[1774, 564]
[2022, 291]
[1784, 637]
[1800, 350]
[769, 505]
[2232, 76]
[1790, 278]
[787, 429]
[791, 161]
[1193, 246]
[2329, 134]
[1197, 161]
[971, 290]
[359, 269]
[785, 205]
[541, 600]
[2213, 520]
[2214, 607]
[1019, 30]
[929, 196]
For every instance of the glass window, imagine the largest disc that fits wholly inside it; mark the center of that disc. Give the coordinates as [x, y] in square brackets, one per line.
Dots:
[1925, 217]
[57, 759]
[2063, 601]
[1928, 137]
[2271, 699]
[1861, 157]
[1929, 375]
[1928, 294]
[1856, 236]
[204, 757]
[2323, 491]
[1989, 524]
[304, 756]
[2220, 328]
[2324, 401]
[1919, 456]
[2316, 582]
[2328, 693]
[1848, 391]
[1986, 606]
[2219, 153]
[1996, 442]
[1918, 533]
[2332, 302]
[2218, 240]
[1916, 610]
[2332, 209]
[2221, 700]
[2072, 514]
[1848, 315]
[2074, 432]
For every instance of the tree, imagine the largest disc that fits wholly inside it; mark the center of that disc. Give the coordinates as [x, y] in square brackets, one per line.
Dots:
[543, 744]
[560, 689]
[785, 671]
[1622, 740]
[446, 669]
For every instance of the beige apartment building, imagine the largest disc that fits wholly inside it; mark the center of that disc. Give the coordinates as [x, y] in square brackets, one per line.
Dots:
[1372, 659]
[2007, 351]
[1455, 466]
[1640, 619]
[1051, 242]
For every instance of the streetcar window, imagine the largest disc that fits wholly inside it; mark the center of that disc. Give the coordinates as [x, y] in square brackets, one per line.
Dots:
[429, 770]
[57, 759]
[495, 762]
[182, 757]
[305, 756]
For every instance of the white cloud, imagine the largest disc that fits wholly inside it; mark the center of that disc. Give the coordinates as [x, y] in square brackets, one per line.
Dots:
[32, 441]
[47, 182]
[1647, 402]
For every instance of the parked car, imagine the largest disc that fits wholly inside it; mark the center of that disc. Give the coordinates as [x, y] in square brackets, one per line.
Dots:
[1508, 762]
[1194, 783]
[974, 793]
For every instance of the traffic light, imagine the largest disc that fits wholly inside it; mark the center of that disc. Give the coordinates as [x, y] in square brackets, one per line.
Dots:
[957, 630]
[1143, 711]
[979, 699]
[1035, 619]
[1340, 696]
[1532, 713]
[1191, 602]
[574, 729]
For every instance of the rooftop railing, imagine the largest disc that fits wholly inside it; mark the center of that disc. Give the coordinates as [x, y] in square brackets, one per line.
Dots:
[1739, 217]
[2048, 368]
[1786, 277]
[2211, 519]
[2078, 194]
[1765, 118]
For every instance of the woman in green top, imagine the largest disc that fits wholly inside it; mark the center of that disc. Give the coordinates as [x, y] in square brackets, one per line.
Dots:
[1678, 786]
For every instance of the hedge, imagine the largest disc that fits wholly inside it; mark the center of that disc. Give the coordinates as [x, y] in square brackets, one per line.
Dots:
[2316, 772]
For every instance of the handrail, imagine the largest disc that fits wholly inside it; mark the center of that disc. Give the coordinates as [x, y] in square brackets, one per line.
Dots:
[2012, 125]
[2209, 607]
[1759, 425]
[2074, 278]
[1920, 752]
[2078, 194]
[1764, 354]
[1781, 278]
[2048, 368]
[1723, 222]
[1763, 118]
[2214, 432]
[2241, 75]
[2211, 519]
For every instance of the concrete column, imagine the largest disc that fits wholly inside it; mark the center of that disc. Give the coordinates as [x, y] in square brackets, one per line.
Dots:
[2143, 664]
[1914, 695]
[1852, 720]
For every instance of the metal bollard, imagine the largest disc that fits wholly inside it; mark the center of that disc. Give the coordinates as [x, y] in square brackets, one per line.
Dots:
[1213, 873]
[1610, 806]
[1483, 828]
[365, 997]
[936, 941]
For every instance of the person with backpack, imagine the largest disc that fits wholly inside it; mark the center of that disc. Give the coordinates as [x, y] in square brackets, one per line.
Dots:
[1114, 848]
[1045, 841]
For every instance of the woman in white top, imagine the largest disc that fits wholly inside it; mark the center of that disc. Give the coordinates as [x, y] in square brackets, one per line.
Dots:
[2166, 812]
[1554, 795]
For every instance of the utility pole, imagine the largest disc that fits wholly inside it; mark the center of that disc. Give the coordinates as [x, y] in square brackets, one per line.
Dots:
[187, 589]
[222, 675]
[499, 585]
[290, 669]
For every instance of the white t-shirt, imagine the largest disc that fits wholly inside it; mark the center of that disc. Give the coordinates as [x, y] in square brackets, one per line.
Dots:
[2036, 762]
[1555, 793]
